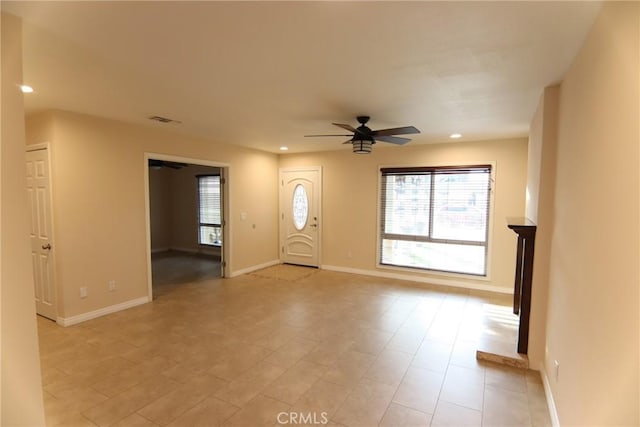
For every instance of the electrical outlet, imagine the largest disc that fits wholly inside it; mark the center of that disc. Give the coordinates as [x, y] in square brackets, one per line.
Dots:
[556, 369]
[349, 254]
[112, 285]
[83, 292]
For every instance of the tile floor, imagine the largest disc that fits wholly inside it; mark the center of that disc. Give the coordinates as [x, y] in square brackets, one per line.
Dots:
[327, 349]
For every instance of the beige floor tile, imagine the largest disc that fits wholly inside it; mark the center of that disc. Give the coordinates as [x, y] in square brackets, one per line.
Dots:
[443, 330]
[294, 382]
[322, 397]
[79, 399]
[133, 375]
[126, 403]
[250, 384]
[290, 353]
[506, 377]
[85, 379]
[261, 411]
[135, 420]
[450, 415]
[184, 372]
[406, 341]
[389, 322]
[433, 355]
[68, 419]
[173, 404]
[419, 389]
[371, 341]
[52, 375]
[349, 368]
[389, 367]
[327, 352]
[365, 405]
[239, 361]
[463, 387]
[278, 338]
[505, 408]
[464, 354]
[398, 416]
[538, 407]
[241, 350]
[63, 412]
[211, 412]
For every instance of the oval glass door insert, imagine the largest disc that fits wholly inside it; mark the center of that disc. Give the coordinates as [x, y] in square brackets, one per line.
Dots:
[300, 207]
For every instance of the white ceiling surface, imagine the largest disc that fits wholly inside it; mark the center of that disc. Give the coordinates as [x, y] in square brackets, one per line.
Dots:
[263, 74]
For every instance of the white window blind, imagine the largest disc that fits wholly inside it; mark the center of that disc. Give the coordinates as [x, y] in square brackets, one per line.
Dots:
[209, 210]
[435, 218]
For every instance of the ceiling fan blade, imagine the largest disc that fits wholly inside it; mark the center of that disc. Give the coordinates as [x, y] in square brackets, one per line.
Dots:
[313, 136]
[395, 131]
[392, 139]
[345, 127]
[350, 141]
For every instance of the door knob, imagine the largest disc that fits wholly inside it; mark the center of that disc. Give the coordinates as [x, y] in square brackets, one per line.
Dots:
[47, 246]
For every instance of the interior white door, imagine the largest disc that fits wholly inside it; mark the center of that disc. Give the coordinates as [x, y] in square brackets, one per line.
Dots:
[300, 222]
[38, 191]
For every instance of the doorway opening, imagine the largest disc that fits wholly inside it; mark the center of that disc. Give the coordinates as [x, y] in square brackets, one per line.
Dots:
[186, 210]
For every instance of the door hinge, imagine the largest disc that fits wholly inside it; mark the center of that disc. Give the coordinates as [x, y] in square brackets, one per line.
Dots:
[224, 264]
[223, 181]
[283, 249]
[224, 223]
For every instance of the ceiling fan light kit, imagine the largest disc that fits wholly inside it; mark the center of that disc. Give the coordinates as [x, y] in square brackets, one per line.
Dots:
[363, 138]
[362, 147]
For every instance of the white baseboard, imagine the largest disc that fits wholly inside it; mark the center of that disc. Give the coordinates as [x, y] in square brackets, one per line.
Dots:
[411, 278]
[553, 411]
[254, 268]
[79, 318]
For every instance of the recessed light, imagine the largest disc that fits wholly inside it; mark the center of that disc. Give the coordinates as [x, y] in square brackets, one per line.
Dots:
[26, 89]
[283, 148]
[455, 135]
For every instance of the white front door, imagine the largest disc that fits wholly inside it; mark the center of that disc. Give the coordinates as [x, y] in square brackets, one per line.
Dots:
[40, 232]
[300, 198]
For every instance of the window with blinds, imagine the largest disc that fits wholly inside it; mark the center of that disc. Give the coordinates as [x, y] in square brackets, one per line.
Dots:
[435, 218]
[209, 210]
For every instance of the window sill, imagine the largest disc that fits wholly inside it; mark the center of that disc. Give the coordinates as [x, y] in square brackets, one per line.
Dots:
[436, 273]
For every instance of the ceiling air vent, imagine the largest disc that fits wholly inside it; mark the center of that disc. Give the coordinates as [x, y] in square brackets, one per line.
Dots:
[163, 119]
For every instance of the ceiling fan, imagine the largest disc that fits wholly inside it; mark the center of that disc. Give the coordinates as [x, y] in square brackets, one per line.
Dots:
[363, 138]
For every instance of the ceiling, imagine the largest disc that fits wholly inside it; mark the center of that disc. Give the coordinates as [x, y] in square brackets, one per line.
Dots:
[263, 74]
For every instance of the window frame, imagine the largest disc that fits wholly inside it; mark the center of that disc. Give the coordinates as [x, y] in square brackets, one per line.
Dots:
[206, 224]
[381, 235]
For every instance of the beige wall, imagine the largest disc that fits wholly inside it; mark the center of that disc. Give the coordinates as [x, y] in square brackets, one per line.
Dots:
[98, 170]
[21, 392]
[350, 200]
[541, 173]
[593, 305]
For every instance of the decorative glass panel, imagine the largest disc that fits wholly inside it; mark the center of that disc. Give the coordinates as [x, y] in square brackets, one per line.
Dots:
[300, 207]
